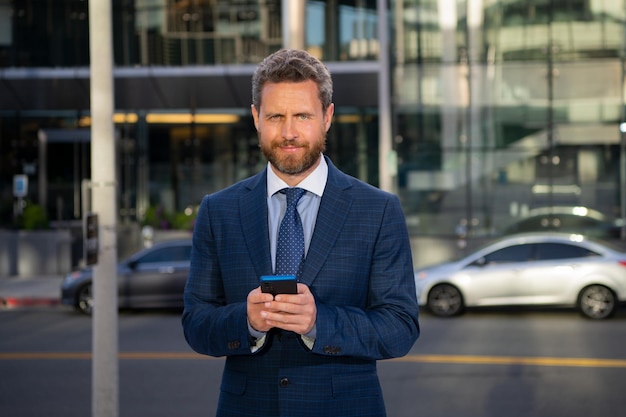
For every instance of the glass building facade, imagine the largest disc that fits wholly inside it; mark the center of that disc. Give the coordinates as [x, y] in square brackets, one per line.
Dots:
[499, 108]
[507, 108]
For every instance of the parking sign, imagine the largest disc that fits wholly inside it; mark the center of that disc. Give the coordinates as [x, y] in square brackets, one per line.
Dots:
[20, 185]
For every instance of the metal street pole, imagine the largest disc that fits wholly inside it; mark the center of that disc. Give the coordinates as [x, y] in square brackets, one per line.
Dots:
[293, 23]
[103, 182]
[387, 158]
[622, 141]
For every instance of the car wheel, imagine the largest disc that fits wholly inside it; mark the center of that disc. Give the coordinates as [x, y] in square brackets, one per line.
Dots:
[445, 300]
[597, 302]
[84, 299]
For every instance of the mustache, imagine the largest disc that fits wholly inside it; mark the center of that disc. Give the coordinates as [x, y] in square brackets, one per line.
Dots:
[289, 142]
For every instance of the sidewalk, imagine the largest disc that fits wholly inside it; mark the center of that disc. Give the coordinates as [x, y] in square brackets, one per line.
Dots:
[30, 291]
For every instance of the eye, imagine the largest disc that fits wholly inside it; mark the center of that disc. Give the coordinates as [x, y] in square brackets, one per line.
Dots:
[303, 116]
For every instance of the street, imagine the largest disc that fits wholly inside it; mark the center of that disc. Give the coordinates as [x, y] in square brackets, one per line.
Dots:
[484, 363]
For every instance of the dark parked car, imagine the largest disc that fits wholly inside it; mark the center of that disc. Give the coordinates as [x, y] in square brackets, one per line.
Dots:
[539, 269]
[575, 219]
[151, 278]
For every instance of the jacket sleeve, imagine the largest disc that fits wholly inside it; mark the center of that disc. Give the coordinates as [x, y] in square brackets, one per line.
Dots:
[386, 325]
[211, 325]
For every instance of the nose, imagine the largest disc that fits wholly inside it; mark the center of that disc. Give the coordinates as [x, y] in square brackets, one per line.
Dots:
[289, 131]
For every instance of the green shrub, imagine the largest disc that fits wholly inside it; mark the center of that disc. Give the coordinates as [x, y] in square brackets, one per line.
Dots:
[159, 218]
[34, 218]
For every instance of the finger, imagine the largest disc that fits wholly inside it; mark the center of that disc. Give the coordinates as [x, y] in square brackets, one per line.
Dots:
[302, 288]
[276, 307]
[256, 296]
[287, 298]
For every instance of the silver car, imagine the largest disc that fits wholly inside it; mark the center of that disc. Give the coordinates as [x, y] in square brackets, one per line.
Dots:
[547, 269]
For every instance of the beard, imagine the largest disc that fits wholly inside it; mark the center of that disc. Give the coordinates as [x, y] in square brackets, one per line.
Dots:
[293, 164]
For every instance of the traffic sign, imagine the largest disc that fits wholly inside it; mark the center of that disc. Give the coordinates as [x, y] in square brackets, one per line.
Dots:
[20, 185]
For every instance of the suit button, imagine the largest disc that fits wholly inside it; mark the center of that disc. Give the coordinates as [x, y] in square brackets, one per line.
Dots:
[332, 350]
[284, 382]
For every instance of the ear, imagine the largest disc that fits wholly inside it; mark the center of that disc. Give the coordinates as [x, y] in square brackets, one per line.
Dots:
[255, 116]
[328, 116]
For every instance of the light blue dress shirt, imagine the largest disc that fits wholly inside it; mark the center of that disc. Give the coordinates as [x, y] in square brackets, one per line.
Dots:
[308, 207]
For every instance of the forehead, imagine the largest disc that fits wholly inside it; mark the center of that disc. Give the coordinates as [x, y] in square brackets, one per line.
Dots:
[301, 94]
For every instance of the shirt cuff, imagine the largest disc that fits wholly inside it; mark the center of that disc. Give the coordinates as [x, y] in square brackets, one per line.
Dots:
[309, 338]
[257, 338]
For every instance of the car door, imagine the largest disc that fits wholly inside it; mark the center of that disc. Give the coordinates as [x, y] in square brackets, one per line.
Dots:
[495, 276]
[549, 276]
[158, 278]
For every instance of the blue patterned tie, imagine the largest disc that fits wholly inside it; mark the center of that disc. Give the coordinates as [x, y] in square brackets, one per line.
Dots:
[290, 248]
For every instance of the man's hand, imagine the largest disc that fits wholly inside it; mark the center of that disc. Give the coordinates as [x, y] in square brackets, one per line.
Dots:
[292, 312]
[255, 306]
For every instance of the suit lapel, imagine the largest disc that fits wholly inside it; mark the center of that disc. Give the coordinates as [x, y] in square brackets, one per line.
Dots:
[331, 216]
[253, 209]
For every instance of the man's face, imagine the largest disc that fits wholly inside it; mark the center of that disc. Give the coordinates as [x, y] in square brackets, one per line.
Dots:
[292, 128]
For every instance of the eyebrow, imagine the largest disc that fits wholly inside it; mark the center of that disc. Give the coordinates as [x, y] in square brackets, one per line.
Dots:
[298, 114]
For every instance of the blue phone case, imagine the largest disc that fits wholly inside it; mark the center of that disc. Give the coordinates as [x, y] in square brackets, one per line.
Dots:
[279, 284]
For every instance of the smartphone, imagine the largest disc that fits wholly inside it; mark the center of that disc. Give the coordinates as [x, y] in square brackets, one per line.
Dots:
[279, 284]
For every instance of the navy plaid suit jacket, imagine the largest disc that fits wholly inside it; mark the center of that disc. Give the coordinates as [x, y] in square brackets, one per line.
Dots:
[359, 269]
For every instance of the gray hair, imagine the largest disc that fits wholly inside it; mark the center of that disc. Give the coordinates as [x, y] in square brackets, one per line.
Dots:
[295, 66]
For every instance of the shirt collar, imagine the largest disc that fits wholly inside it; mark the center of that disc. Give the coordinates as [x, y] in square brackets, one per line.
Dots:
[314, 183]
